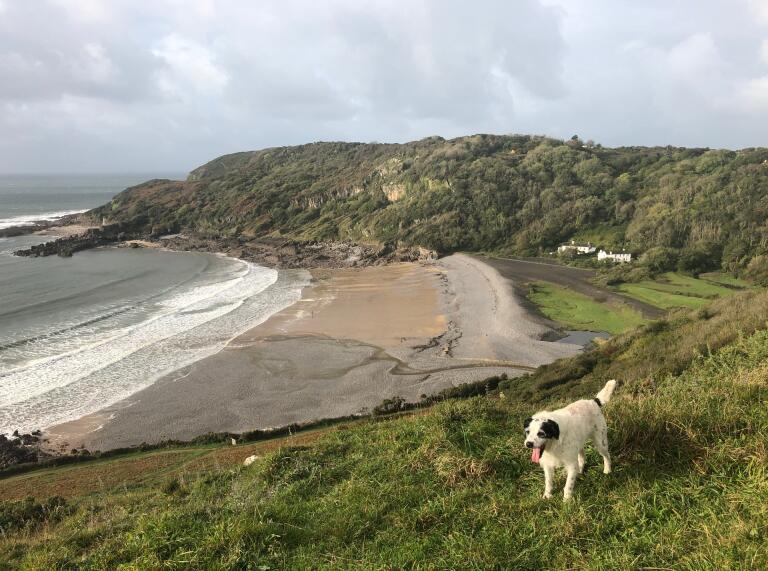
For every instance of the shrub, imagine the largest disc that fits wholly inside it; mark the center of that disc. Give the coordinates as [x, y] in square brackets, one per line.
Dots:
[757, 270]
[389, 406]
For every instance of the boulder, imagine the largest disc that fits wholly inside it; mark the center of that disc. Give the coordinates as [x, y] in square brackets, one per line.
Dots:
[250, 460]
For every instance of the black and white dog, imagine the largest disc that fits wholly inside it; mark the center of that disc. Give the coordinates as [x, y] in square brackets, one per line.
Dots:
[558, 437]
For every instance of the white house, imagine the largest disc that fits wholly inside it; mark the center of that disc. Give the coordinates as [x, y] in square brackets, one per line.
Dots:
[580, 249]
[616, 257]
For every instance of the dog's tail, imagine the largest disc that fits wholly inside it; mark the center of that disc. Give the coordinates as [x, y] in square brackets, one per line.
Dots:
[605, 393]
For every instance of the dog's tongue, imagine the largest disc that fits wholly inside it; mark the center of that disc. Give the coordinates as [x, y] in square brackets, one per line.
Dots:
[536, 455]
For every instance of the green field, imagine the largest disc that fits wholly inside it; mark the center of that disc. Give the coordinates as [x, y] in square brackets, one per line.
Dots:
[673, 290]
[725, 280]
[451, 487]
[577, 311]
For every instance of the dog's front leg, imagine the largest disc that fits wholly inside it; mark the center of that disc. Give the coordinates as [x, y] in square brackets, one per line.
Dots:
[549, 476]
[570, 481]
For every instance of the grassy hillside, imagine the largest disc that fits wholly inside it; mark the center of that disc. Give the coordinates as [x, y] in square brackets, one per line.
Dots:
[451, 487]
[691, 209]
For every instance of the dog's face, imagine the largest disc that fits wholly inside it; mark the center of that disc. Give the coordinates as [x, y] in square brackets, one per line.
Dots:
[540, 430]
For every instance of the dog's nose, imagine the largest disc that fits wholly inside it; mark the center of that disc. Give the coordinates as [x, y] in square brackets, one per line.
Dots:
[529, 444]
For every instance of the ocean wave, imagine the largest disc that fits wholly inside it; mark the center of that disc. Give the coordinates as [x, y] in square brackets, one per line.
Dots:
[96, 368]
[75, 336]
[89, 349]
[30, 219]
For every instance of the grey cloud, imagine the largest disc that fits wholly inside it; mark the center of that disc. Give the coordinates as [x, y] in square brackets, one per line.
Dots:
[44, 55]
[432, 60]
[96, 85]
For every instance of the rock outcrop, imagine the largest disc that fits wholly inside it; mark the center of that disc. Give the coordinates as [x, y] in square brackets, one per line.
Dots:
[272, 252]
[68, 245]
[38, 225]
[279, 253]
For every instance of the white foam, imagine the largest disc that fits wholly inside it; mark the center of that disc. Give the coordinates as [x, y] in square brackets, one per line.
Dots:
[30, 219]
[93, 370]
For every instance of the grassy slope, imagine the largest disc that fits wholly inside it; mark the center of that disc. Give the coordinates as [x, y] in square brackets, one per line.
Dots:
[453, 488]
[150, 468]
[676, 290]
[578, 311]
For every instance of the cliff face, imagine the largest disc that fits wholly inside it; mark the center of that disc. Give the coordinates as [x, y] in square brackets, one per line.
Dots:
[517, 194]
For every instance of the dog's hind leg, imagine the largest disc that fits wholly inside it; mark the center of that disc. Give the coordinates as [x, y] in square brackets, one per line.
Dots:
[600, 440]
[581, 461]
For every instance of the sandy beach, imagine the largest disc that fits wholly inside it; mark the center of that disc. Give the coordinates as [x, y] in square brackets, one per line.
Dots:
[357, 337]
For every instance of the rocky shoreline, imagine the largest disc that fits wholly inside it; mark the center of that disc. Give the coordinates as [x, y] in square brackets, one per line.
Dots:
[297, 254]
[38, 226]
[21, 449]
[68, 245]
[272, 252]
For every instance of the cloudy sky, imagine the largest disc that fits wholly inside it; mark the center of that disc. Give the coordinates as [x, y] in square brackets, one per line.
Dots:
[165, 85]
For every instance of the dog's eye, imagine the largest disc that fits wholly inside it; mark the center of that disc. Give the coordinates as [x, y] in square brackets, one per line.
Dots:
[541, 434]
[526, 431]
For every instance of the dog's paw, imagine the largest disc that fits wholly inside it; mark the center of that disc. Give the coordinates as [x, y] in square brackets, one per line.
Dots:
[606, 470]
[546, 495]
[567, 498]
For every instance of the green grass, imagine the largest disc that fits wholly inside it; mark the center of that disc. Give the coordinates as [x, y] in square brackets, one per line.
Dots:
[649, 293]
[725, 280]
[452, 488]
[577, 311]
[673, 290]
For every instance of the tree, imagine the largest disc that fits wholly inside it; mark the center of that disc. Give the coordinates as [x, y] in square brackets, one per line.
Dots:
[660, 259]
[699, 259]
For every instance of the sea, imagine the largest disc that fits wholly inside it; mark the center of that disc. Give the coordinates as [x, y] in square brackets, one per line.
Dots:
[82, 333]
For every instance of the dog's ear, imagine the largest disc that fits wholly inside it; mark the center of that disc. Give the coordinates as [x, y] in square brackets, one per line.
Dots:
[527, 422]
[551, 429]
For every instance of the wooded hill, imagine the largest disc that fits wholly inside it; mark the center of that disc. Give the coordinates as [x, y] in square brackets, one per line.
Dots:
[691, 209]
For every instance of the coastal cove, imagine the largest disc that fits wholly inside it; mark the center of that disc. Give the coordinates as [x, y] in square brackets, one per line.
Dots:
[81, 333]
[356, 337]
[289, 331]
[359, 286]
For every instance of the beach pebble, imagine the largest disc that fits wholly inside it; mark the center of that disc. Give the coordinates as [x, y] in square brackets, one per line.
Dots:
[250, 460]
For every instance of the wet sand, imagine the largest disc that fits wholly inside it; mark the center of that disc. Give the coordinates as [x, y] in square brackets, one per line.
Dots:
[384, 306]
[357, 337]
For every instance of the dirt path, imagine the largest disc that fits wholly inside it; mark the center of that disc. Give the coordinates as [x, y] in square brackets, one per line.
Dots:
[577, 279]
